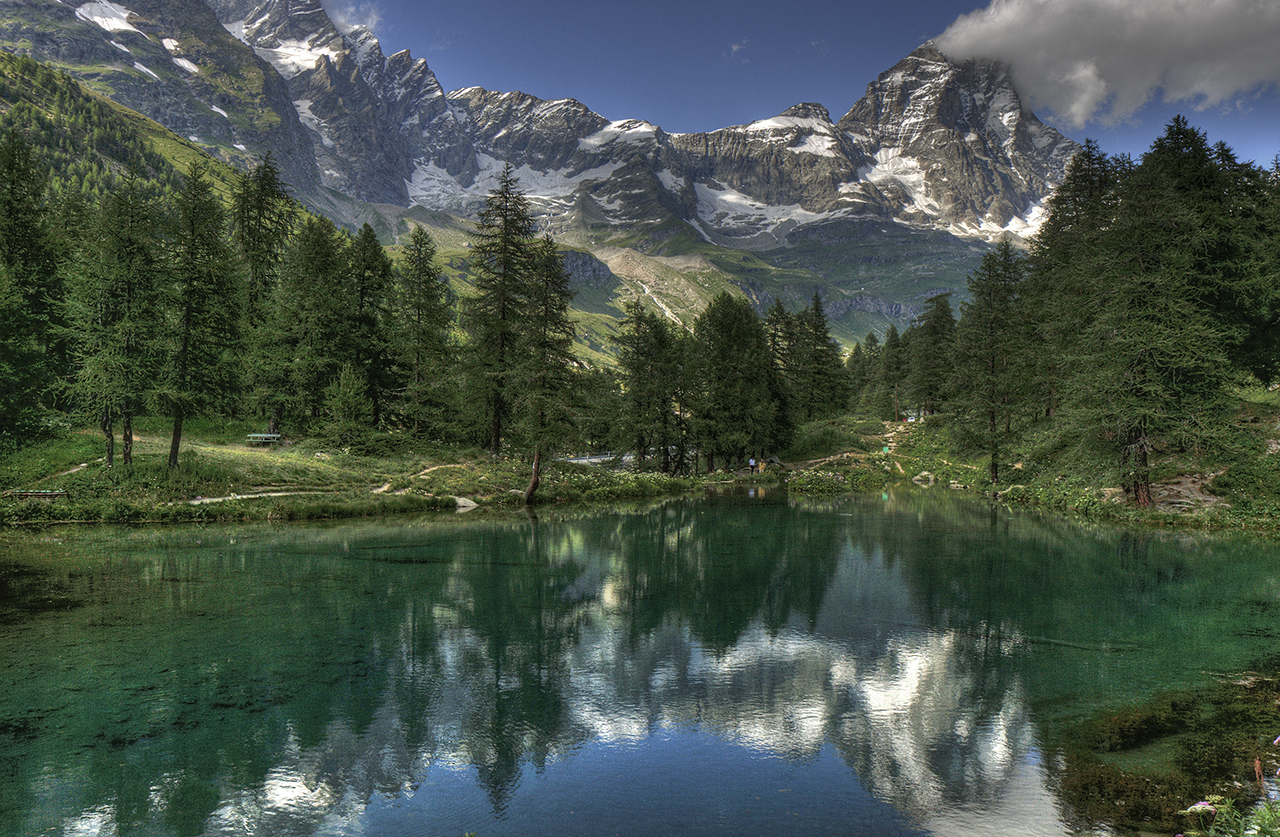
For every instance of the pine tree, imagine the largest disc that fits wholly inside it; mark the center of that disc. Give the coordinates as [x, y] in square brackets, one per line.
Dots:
[883, 397]
[29, 286]
[262, 219]
[1152, 360]
[740, 409]
[861, 366]
[309, 337]
[653, 359]
[1061, 288]
[502, 260]
[823, 386]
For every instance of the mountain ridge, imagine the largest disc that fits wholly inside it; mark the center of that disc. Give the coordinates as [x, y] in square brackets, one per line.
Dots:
[893, 200]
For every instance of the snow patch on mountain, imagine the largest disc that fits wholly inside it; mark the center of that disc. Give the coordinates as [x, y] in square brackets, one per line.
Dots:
[292, 56]
[624, 131]
[145, 69]
[732, 213]
[111, 17]
[303, 107]
[236, 28]
[671, 181]
[539, 184]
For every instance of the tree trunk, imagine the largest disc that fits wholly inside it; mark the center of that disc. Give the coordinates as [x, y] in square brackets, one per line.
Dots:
[1142, 480]
[534, 480]
[176, 439]
[110, 438]
[126, 438]
[495, 427]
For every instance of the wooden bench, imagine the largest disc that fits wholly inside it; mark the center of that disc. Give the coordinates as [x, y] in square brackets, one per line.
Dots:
[263, 438]
[47, 496]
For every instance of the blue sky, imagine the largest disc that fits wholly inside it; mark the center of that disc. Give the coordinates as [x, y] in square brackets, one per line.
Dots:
[1113, 70]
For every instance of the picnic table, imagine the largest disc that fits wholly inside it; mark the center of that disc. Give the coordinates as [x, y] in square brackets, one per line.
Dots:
[263, 438]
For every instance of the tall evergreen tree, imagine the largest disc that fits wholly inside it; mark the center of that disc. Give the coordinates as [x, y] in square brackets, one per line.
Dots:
[861, 366]
[930, 364]
[822, 388]
[201, 370]
[544, 363]
[883, 397]
[262, 219]
[371, 278]
[1153, 358]
[309, 337]
[990, 357]
[740, 409]
[502, 260]
[114, 313]
[424, 346]
[1061, 286]
[653, 359]
[29, 290]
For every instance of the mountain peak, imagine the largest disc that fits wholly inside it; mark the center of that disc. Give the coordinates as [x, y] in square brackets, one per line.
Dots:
[807, 110]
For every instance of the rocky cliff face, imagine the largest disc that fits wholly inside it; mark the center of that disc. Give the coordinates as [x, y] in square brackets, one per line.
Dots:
[361, 108]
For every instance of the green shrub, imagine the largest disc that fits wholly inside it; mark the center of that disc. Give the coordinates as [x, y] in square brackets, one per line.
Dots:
[828, 437]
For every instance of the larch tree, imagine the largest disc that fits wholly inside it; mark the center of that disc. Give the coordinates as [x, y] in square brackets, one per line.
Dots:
[309, 335]
[930, 363]
[262, 219]
[740, 409]
[200, 373]
[424, 347]
[29, 286]
[1152, 360]
[371, 277]
[113, 312]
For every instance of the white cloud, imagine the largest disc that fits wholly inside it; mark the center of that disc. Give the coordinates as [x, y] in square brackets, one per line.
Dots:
[348, 14]
[1089, 60]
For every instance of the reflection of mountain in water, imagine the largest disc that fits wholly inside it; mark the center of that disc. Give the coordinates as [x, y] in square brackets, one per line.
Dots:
[297, 677]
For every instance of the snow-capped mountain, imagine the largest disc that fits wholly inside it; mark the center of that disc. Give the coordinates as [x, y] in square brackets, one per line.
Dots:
[934, 143]
[883, 207]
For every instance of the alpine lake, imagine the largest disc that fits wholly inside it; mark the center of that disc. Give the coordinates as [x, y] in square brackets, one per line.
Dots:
[747, 663]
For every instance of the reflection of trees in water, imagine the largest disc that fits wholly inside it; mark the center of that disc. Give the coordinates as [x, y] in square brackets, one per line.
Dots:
[302, 677]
